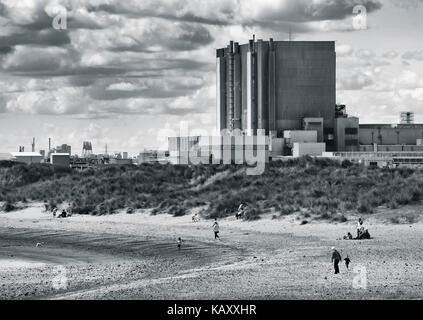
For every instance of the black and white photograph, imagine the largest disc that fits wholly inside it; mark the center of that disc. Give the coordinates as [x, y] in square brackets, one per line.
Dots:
[211, 150]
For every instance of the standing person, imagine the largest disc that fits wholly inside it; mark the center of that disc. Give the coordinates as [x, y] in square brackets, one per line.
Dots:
[179, 243]
[240, 211]
[336, 257]
[360, 227]
[215, 227]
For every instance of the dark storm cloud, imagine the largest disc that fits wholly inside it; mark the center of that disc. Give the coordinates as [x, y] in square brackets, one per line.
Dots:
[240, 12]
[5, 50]
[2, 101]
[37, 38]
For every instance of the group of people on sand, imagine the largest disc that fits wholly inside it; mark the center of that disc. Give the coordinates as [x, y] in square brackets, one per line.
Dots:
[362, 233]
[63, 214]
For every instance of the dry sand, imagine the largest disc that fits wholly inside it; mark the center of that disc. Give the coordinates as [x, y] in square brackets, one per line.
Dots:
[135, 256]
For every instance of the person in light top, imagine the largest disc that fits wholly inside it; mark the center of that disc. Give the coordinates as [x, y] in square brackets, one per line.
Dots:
[215, 227]
[360, 227]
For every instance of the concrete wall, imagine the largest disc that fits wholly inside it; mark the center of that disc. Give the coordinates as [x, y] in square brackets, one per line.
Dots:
[305, 82]
[387, 135]
[60, 160]
[300, 135]
[278, 145]
[312, 149]
[29, 159]
[391, 148]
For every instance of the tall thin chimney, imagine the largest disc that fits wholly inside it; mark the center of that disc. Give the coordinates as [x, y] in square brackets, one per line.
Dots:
[49, 144]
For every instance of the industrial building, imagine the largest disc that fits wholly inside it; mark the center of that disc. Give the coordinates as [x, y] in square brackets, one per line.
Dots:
[60, 159]
[286, 92]
[282, 90]
[27, 157]
[150, 156]
[223, 149]
[266, 87]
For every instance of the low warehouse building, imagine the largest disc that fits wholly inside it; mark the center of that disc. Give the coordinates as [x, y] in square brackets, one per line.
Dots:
[27, 157]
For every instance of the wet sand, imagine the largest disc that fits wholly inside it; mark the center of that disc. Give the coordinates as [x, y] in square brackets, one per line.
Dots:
[135, 256]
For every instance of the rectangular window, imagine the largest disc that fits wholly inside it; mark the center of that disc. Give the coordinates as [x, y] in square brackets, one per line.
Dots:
[351, 131]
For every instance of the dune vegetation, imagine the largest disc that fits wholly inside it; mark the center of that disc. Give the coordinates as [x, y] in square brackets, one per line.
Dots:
[316, 188]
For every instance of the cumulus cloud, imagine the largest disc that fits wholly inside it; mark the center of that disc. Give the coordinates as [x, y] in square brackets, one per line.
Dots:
[413, 55]
[226, 12]
[392, 54]
[137, 57]
[354, 81]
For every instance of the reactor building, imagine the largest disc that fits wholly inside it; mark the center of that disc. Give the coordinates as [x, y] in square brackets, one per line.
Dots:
[267, 87]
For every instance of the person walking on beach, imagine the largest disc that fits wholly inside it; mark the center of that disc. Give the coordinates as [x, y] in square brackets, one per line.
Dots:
[215, 227]
[336, 257]
[179, 243]
[347, 261]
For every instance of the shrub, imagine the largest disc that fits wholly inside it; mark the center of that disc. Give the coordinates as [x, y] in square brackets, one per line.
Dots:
[394, 220]
[365, 206]
[252, 213]
[287, 209]
[8, 206]
[177, 211]
[339, 218]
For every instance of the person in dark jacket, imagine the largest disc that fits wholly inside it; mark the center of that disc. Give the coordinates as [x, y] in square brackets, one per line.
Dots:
[347, 261]
[336, 257]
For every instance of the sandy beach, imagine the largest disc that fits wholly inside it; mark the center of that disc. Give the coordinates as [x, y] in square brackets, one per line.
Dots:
[135, 256]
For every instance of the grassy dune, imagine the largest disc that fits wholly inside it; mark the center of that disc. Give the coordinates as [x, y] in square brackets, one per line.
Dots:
[318, 188]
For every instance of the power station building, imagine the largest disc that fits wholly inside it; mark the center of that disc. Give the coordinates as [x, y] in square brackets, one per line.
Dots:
[266, 87]
[285, 91]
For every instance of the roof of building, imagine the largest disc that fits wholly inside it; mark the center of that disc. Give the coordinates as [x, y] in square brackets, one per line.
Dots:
[26, 154]
[60, 154]
[6, 156]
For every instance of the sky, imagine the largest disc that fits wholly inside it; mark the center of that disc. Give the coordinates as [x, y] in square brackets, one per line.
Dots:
[130, 73]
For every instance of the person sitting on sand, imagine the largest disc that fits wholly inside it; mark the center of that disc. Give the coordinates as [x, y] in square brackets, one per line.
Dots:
[348, 236]
[179, 243]
[336, 257]
[215, 227]
[63, 214]
[195, 218]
